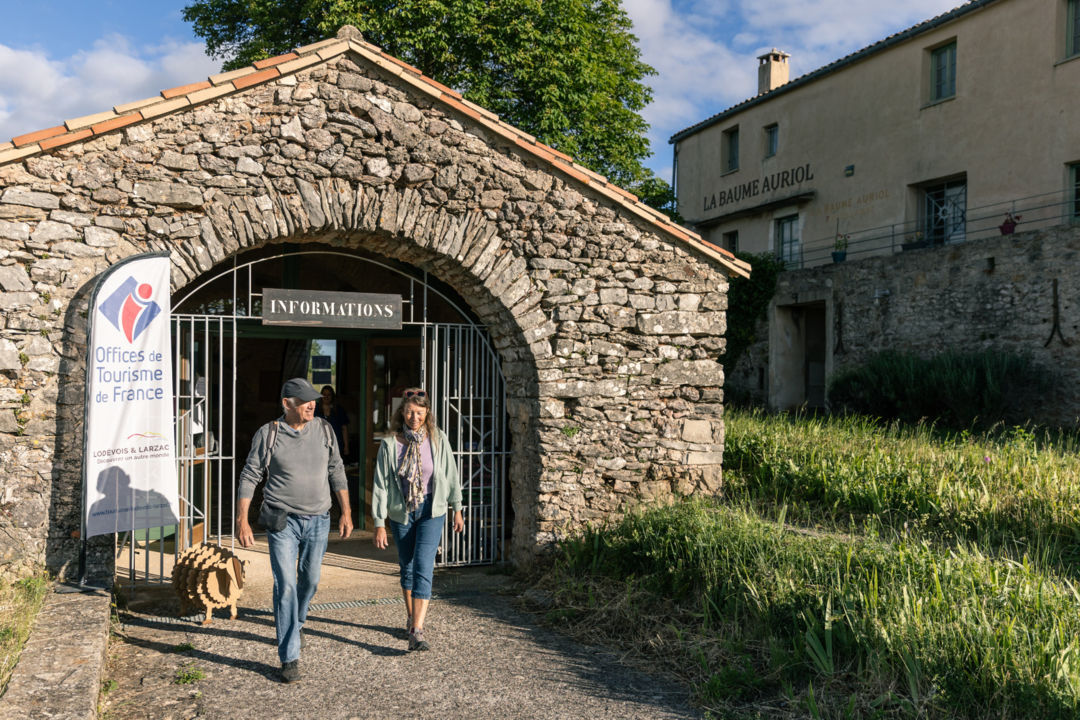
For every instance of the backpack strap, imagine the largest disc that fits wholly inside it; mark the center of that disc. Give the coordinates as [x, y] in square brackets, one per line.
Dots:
[328, 432]
[271, 438]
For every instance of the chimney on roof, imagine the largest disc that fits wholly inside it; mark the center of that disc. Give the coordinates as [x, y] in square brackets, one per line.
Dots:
[772, 71]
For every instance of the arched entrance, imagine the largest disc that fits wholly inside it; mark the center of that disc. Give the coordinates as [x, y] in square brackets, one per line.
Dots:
[230, 364]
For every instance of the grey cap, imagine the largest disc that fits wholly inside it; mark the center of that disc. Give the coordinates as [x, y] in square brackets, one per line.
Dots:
[300, 389]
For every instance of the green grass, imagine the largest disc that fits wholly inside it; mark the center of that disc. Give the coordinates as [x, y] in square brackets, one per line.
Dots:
[850, 571]
[20, 602]
[188, 675]
[1010, 492]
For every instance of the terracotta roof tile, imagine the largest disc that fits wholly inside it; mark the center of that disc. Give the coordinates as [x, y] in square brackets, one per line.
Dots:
[312, 47]
[222, 78]
[401, 63]
[128, 107]
[270, 62]
[14, 154]
[333, 49]
[483, 111]
[561, 155]
[162, 108]
[446, 91]
[298, 64]
[184, 89]
[256, 78]
[210, 93]
[117, 122]
[38, 135]
[460, 106]
[66, 139]
[88, 120]
[580, 177]
[625, 193]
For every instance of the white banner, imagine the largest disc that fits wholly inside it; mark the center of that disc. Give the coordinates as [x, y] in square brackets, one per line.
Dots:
[130, 459]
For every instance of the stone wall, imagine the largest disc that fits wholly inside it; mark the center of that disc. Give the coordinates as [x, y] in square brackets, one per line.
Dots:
[606, 328]
[995, 293]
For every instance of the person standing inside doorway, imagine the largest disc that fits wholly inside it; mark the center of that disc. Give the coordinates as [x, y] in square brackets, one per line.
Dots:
[299, 459]
[330, 410]
[416, 479]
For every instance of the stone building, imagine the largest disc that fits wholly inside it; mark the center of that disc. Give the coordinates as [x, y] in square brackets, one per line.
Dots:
[567, 332]
[946, 133]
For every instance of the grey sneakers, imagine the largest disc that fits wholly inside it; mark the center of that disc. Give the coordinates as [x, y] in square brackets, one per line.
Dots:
[290, 671]
[417, 641]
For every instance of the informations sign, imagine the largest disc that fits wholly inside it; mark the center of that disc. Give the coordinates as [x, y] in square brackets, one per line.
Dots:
[129, 466]
[315, 308]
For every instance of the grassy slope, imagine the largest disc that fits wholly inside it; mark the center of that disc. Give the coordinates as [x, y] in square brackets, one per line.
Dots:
[948, 595]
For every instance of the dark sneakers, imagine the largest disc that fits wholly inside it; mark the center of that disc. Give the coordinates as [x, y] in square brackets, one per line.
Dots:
[290, 671]
[417, 641]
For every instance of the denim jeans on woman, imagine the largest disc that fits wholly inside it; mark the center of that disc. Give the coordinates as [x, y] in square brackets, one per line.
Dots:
[417, 540]
[296, 554]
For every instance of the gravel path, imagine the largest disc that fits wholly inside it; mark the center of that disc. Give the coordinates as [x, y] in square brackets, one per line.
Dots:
[488, 660]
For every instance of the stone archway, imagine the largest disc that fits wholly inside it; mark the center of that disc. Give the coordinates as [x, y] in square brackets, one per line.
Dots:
[607, 316]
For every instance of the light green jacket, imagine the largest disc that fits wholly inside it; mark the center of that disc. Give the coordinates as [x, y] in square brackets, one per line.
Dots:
[387, 499]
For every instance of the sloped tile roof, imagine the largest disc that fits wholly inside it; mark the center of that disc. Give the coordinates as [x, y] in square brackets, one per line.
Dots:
[350, 40]
[880, 45]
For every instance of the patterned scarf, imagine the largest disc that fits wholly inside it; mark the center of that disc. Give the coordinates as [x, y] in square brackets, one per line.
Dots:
[411, 473]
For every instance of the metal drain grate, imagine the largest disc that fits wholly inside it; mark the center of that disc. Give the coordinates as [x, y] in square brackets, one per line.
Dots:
[314, 607]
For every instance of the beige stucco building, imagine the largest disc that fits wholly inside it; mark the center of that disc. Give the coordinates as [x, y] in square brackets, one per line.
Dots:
[928, 136]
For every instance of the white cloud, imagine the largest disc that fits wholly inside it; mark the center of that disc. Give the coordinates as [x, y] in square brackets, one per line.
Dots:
[705, 51]
[38, 91]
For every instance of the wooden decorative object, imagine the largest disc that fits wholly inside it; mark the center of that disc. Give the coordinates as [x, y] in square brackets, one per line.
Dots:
[208, 577]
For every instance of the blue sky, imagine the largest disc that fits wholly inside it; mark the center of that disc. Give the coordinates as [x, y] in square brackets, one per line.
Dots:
[62, 59]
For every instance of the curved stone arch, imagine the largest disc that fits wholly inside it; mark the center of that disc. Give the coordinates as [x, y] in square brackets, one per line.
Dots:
[464, 251]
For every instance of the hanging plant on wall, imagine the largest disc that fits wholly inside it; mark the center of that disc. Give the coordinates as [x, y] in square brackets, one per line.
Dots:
[748, 299]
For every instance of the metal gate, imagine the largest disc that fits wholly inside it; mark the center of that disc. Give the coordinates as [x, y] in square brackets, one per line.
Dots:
[463, 375]
[204, 348]
[470, 400]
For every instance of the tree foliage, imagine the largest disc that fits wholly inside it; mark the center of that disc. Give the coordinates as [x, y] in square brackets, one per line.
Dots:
[567, 71]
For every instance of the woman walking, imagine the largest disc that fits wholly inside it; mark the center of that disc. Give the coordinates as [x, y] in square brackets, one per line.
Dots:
[416, 479]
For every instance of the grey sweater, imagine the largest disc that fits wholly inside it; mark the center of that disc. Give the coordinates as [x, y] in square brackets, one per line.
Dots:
[300, 467]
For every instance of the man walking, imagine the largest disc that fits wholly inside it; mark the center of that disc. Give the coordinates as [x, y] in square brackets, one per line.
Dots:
[298, 456]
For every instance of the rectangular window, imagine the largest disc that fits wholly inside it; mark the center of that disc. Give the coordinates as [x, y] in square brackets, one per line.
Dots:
[731, 241]
[943, 72]
[731, 149]
[772, 139]
[945, 211]
[787, 239]
[1074, 192]
[1072, 28]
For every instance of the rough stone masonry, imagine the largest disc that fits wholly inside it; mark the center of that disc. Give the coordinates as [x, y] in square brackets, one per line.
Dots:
[607, 328]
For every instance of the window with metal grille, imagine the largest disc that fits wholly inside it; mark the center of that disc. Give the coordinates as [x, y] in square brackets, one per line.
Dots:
[943, 72]
[1072, 28]
[730, 156]
[945, 211]
[1074, 191]
[787, 239]
[772, 139]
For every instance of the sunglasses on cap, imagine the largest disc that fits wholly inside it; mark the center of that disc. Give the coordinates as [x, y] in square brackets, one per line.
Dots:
[415, 393]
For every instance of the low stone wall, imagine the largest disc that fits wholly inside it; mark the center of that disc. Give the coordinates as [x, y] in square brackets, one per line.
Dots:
[995, 293]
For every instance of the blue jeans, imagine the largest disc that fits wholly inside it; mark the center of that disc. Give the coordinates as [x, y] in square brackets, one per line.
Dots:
[296, 554]
[417, 539]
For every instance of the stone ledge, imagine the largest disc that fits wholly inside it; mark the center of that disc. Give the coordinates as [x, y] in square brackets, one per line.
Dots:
[59, 672]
